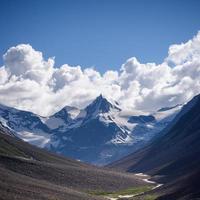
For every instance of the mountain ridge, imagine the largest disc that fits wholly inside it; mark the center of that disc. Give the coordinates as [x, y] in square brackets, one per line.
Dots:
[98, 134]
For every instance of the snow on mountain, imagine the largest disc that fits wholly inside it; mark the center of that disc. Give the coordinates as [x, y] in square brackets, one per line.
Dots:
[62, 118]
[99, 107]
[100, 133]
[26, 125]
[106, 133]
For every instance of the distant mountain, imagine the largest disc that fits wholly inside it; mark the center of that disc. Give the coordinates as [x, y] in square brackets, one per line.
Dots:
[99, 134]
[142, 119]
[168, 108]
[28, 172]
[62, 119]
[173, 158]
[26, 125]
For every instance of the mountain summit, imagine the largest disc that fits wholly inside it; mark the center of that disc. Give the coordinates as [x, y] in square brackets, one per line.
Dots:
[101, 105]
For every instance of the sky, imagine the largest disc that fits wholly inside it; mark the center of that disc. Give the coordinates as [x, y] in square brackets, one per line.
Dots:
[143, 54]
[101, 34]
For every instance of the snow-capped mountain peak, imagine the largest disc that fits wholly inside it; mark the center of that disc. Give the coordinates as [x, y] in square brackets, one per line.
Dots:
[67, 113]
[63, 118]
[100, 105]
[63, 114]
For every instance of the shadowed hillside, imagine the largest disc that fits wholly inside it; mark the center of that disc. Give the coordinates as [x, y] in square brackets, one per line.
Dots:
[173, 159]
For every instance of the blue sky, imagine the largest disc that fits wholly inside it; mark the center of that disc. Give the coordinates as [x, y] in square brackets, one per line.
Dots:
[101, 33]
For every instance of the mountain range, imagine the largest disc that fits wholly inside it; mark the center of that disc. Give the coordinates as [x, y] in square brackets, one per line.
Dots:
[98, 134]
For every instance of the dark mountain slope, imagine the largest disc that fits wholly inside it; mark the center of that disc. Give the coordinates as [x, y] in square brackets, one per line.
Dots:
[27, 172]
[174, 158]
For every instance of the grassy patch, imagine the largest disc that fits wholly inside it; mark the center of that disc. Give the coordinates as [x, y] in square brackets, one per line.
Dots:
[129, 191]
[150, 197]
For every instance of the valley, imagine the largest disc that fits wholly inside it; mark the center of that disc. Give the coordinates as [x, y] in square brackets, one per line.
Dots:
[100, 100]
[132, 193]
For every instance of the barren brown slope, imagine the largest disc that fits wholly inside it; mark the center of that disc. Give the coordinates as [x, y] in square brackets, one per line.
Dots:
[27, 172]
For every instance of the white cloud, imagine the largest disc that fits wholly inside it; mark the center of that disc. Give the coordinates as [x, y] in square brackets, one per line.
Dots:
[28, 81]
[3, 75]
[23, 61]
[185, 52]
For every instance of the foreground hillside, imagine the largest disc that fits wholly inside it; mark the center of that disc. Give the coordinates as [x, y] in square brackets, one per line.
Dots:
[27, 172]
[173, 159]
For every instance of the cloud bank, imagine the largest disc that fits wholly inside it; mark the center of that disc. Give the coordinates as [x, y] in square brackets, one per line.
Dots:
[29, 82]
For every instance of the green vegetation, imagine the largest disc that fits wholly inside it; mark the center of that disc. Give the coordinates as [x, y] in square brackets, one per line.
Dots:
[150, 197]
[129, 191]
